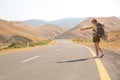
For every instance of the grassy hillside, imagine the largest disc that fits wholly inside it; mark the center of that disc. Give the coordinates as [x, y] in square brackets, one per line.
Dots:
[16, 34]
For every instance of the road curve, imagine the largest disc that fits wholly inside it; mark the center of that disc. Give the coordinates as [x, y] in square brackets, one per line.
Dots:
[62, 61]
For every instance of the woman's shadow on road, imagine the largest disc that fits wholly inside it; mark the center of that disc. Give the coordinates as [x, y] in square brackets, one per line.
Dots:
[76, 60]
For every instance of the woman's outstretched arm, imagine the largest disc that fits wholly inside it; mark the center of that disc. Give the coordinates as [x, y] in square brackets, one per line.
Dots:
[86, 28]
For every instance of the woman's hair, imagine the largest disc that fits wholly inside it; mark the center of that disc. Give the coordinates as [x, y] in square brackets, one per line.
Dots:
[94, 20]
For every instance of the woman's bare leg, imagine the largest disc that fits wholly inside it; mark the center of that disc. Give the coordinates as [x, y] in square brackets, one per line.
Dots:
[96, 48]
[100, 50]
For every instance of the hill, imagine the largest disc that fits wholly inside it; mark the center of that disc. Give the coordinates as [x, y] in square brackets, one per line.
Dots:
[111, 23]
[34, 22]
[13, 28]
[63, 23]
[19, 32]
[12, 32]
[48, 30]
[114, 35]
[68, 22]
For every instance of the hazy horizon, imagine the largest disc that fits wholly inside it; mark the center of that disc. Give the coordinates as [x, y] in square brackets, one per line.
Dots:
[50, 10]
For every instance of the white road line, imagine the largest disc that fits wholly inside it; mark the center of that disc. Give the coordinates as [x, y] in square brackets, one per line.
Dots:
[26, 60]
[57, 49]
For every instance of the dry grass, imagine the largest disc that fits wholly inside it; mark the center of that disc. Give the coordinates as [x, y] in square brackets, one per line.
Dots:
[112, 46]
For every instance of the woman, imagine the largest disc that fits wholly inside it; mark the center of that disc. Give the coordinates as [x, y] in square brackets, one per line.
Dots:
[96, 38]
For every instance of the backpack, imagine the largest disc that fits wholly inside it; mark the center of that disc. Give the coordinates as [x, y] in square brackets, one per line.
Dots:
[101, 31]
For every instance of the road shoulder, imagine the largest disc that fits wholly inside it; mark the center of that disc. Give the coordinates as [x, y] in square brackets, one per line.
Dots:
[27, 48]
[111, 61]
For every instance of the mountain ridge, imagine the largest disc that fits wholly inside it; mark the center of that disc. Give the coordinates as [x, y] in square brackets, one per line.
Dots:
[64, 23]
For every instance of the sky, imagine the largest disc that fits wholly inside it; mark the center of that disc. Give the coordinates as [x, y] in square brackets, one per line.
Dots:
[57, 9]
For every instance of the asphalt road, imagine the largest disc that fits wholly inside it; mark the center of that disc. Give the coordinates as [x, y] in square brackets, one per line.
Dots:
[62, 61]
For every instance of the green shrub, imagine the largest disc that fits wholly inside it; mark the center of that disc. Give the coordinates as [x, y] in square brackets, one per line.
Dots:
[18, 45]
[23, 44]
[39, 43]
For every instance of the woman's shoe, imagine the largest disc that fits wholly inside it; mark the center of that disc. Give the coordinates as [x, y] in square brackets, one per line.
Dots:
[101, 55]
